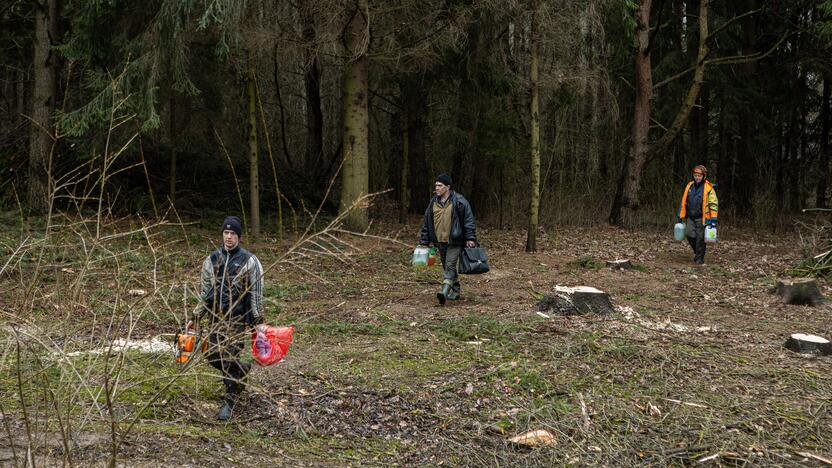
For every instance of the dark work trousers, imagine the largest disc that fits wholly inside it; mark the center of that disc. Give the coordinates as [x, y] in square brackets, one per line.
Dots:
[225, 343]
[695, 232]
[450, 261]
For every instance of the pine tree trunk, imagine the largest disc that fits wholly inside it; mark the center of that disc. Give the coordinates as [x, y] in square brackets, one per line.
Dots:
[744, 183]
[534, 197]
[314, 116]
[354, 174]
[420, 181]
[704, 129]
[254, 178]
[403, 189]
[43, 102]
[626, 198]
[825, 171]
[172, 147]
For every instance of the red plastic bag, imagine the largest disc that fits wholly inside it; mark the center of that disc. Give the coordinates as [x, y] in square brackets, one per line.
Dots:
[270, 345]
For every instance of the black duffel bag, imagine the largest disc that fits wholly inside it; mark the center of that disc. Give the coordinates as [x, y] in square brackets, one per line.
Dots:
[473, 261]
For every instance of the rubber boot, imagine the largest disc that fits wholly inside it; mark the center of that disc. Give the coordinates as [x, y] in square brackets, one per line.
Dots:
[453, 293]
[442, 296]
[227, 407]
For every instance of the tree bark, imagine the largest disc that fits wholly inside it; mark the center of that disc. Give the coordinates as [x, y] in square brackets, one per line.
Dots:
[254, 178]
[44, 95]
[415, 103]
[354, 174]
[704, 129]
[825, 171]
[626, 198]
[172, 146]
[405, 164]
[744, 183]
[534, 197]
[314, 115]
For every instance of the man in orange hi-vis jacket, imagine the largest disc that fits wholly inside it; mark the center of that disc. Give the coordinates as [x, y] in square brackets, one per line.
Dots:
[699, 209]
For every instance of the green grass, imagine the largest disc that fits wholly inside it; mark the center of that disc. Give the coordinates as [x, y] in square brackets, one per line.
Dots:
[403, 366]
[318, 327]
[474, 327]
[586, 262]
[277, 290]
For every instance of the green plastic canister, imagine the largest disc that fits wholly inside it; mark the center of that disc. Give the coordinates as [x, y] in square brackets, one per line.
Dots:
[710, 234]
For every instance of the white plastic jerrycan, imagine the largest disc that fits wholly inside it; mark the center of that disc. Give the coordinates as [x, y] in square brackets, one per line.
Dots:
[710, 234]
[679, 231]
[420, 256]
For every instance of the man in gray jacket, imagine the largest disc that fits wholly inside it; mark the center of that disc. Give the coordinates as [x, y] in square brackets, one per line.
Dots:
[232, 299]
[449, 225]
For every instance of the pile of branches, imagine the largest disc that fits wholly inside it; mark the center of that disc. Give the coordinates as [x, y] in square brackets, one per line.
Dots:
[816, 245]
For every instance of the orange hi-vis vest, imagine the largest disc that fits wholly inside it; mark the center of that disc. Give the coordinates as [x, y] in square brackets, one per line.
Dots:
[710, 203]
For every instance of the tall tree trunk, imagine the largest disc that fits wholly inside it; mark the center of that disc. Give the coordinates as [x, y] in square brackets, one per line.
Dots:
[626, 198]
[799, 151]
[825, 171]
[468, 115]
[785, 149]
[279, 95]
[744, 183]
[254, 178]
[44, 96]
[704, 127]
[355, 174]
[534, 196]
[172, 146]
[314, 116]
[404, 201]
[419, 178]
[725, 152]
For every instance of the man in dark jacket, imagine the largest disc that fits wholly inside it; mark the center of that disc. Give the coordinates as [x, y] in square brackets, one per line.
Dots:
[449, 225]
[232, 299]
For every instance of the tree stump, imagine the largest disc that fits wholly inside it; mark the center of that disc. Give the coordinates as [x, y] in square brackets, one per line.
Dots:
[620, 264]
[799, 291]
[807, 344]
[575, 301]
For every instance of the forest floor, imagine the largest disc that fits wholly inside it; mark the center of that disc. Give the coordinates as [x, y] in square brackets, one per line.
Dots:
[691, 367]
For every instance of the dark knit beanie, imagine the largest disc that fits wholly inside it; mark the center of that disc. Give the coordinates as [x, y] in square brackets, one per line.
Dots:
[233, 223]
[444, 178]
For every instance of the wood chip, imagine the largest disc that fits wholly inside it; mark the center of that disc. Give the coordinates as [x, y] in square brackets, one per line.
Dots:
[535, 438]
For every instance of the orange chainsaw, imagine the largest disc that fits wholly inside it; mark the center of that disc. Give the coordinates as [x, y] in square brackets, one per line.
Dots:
[188, 342]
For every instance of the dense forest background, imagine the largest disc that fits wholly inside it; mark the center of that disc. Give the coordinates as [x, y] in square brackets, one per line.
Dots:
[544, 112]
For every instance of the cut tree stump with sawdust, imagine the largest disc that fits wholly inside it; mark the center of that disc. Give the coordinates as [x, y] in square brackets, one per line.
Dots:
[799, 291]
[807, 344]
[620, 264]
[578, 300]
